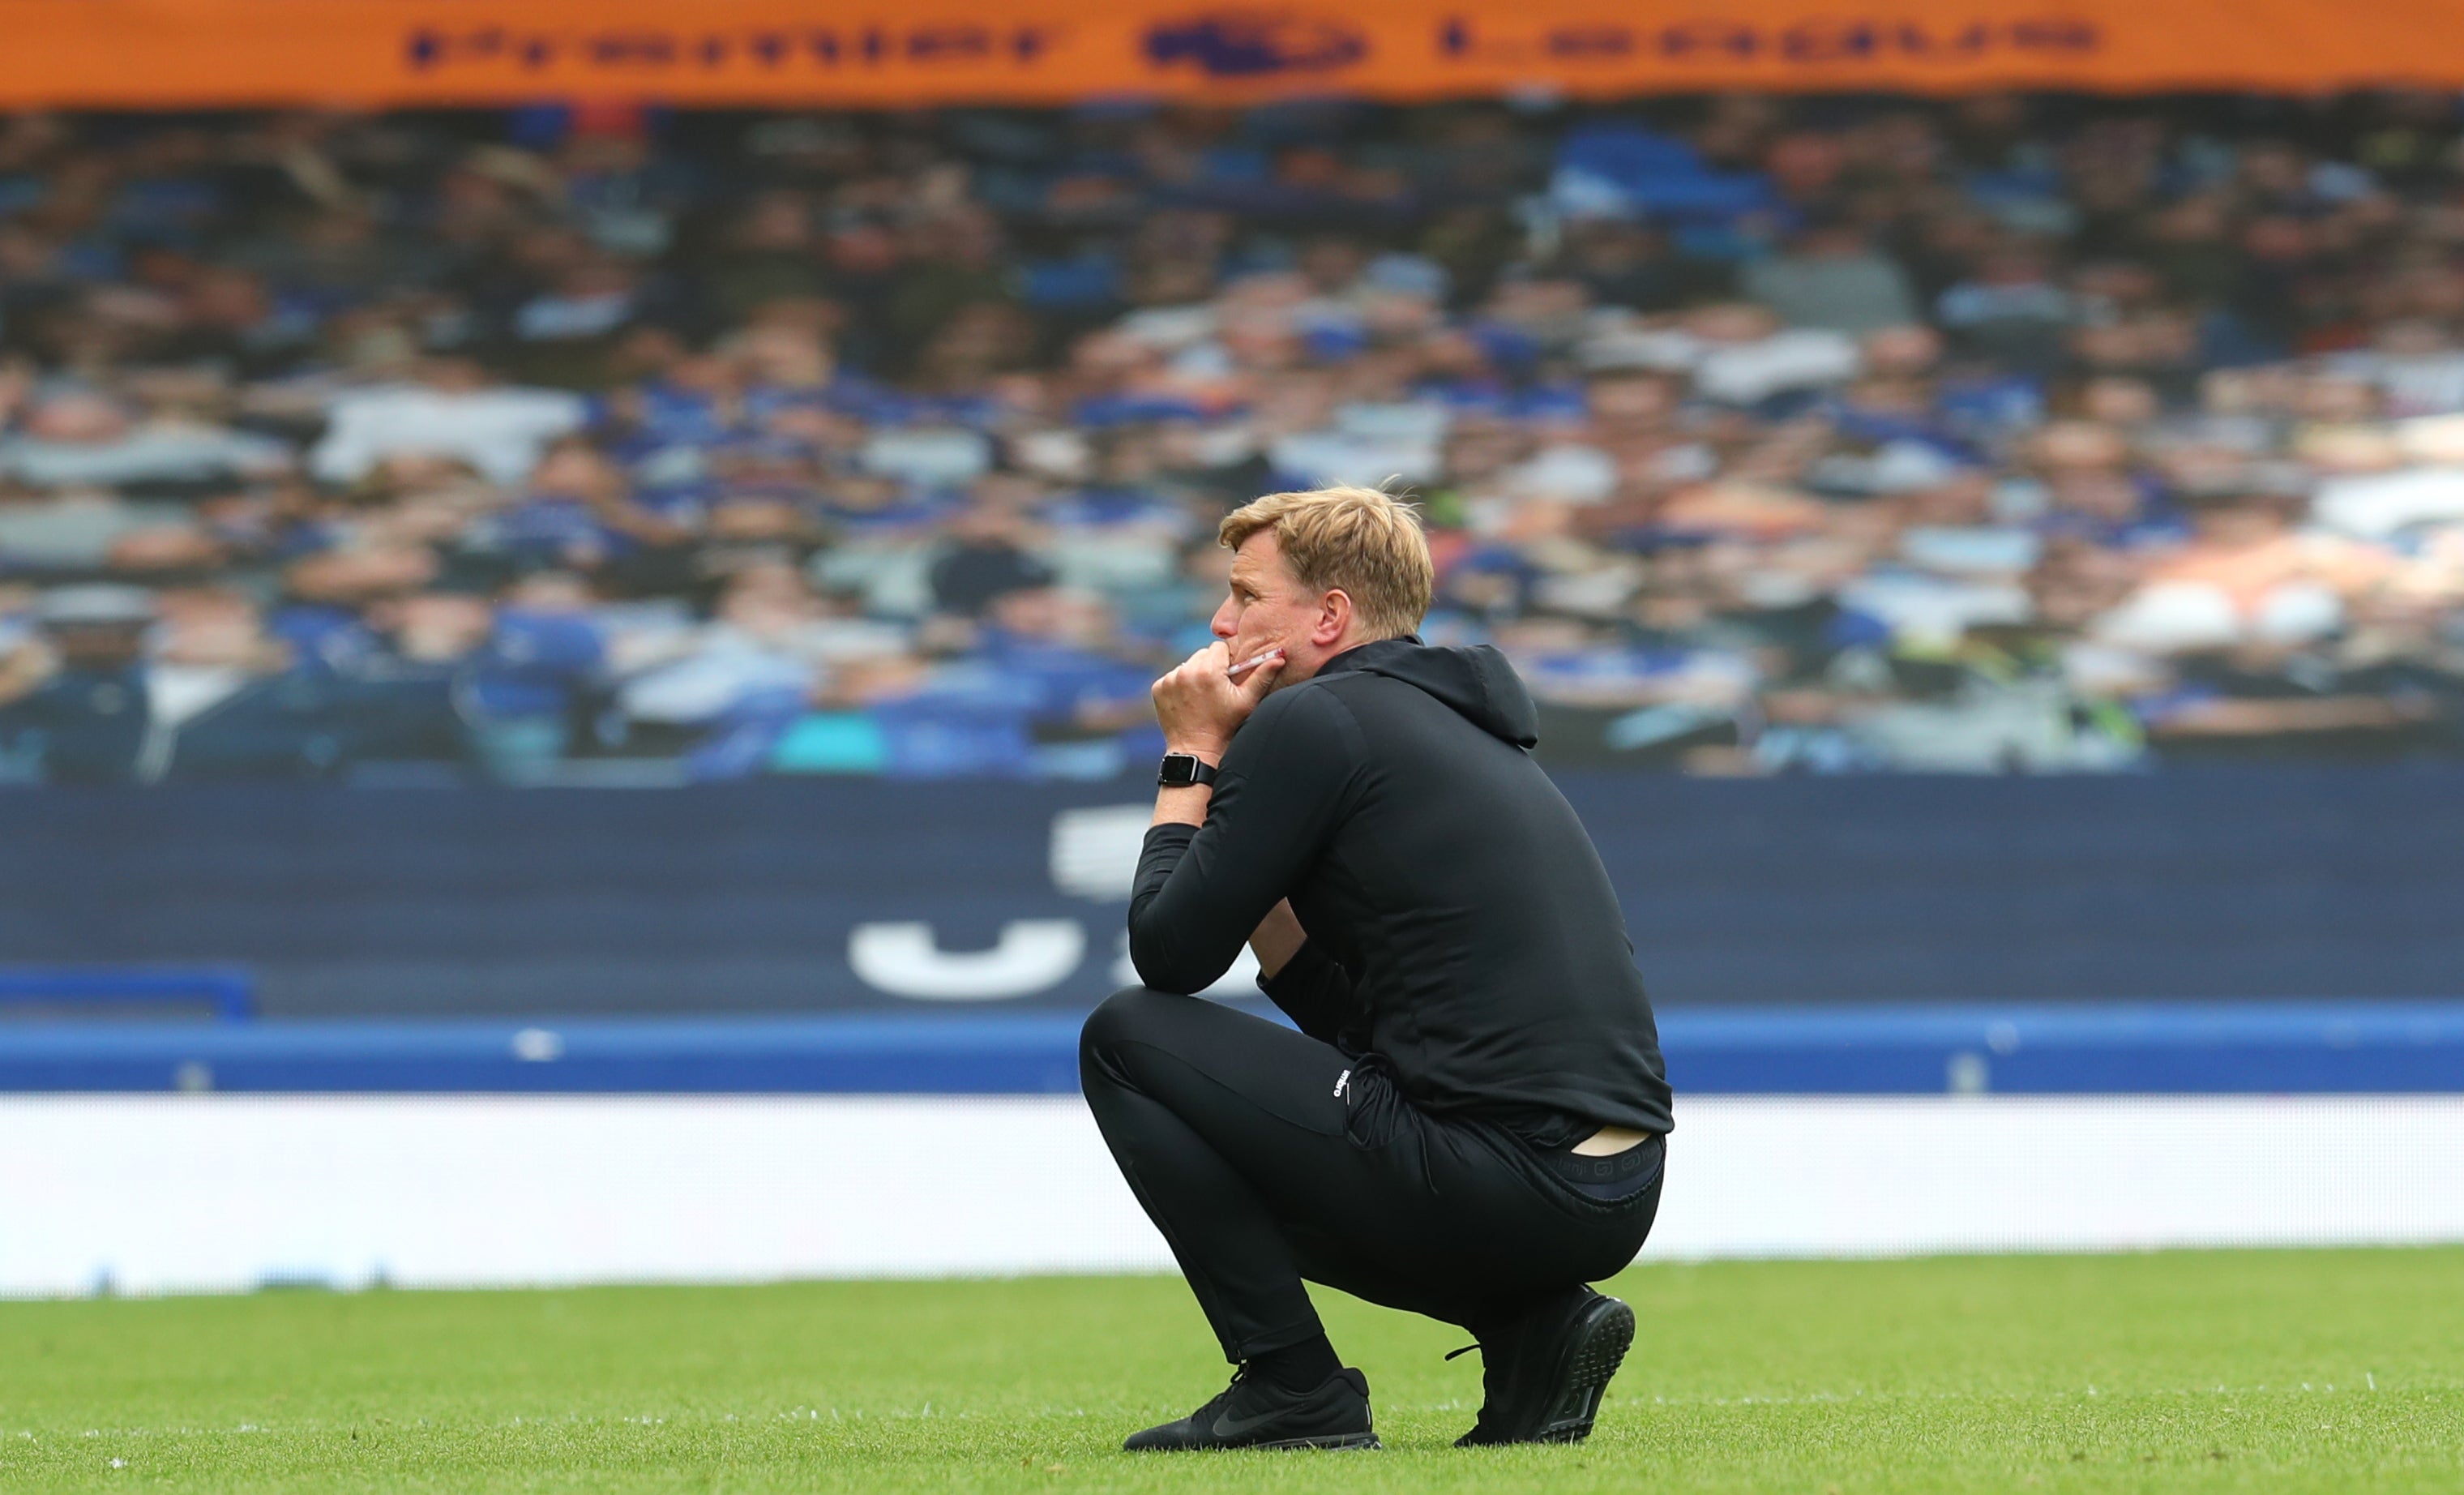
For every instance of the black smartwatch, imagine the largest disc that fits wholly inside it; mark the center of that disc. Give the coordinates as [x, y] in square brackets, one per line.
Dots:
[1182, 770]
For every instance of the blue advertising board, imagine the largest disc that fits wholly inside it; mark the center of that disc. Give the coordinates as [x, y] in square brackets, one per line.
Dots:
[2187, 934]
[848, 898]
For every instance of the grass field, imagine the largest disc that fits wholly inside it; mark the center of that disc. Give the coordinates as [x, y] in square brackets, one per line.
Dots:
[2250, 1370]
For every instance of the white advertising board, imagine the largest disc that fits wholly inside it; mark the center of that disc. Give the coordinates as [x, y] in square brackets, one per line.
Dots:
[220, 1193]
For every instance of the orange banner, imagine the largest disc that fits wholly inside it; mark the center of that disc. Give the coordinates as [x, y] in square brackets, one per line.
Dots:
[739, 52]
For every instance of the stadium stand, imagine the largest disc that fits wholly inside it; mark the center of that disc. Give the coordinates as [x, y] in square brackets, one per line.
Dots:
[610, 444]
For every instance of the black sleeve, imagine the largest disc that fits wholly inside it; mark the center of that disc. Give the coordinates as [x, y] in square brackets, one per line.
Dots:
[1201, 890]
[1314, 992]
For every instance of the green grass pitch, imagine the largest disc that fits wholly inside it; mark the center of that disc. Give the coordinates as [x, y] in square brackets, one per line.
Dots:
[2233, 1371]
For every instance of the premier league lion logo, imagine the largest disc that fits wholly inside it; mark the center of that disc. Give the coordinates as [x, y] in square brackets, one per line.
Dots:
[1255, 43]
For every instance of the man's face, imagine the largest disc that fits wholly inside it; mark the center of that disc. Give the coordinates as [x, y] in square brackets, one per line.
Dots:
[1268, 608]
[100, 647]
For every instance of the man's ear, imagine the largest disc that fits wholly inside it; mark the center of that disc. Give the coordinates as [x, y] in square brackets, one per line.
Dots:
[1334, 617]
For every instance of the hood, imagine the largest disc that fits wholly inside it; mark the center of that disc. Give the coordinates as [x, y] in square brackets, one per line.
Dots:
[1476, 682]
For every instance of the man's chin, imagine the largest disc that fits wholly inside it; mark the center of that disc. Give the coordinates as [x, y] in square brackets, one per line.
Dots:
[1292, 673]
[1284, 677]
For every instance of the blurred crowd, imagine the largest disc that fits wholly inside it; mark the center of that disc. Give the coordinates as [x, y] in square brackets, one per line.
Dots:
[602, 444]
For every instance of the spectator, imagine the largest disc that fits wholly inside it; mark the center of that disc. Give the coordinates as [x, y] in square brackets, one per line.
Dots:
[85, 439]
[1831, 279]
[986, 560]
[1631, 264]
[2010, 313]
[538, 675]
[452, 409]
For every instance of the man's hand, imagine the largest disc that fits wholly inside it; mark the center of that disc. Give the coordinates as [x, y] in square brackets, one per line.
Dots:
[1200, 705]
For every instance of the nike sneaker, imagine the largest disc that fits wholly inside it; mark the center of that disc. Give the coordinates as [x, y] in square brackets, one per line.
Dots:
[1542, 1374]
[1257, 1413]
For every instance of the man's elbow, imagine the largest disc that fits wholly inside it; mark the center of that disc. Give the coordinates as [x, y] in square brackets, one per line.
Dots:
[1164, 969]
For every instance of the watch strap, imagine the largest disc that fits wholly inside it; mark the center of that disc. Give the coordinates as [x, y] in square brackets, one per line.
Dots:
[1183, 771]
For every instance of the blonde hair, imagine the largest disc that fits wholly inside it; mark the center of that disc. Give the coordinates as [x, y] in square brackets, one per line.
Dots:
[1365, 542]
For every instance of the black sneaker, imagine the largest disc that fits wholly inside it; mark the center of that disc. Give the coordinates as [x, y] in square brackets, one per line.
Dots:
[1542, 1374]
[1257, 1413]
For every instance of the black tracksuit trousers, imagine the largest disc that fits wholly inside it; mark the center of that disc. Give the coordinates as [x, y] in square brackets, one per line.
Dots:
[1267, 1157]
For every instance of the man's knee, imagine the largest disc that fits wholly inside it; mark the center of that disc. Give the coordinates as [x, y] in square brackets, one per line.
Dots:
[1124, 1015]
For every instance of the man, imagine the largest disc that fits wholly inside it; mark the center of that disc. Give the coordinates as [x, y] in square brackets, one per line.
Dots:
[1469, 1122]
[1832, 277]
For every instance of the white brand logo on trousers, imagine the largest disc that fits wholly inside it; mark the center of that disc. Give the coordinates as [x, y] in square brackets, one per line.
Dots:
[1340, 1081]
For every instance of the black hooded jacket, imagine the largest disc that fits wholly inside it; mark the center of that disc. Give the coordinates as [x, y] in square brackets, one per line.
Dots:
[1460, 926]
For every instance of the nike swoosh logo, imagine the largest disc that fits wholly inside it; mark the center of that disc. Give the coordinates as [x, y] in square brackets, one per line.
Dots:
[1227, 1425]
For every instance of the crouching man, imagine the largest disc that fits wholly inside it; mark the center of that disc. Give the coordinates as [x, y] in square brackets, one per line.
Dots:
[1469, 1123]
